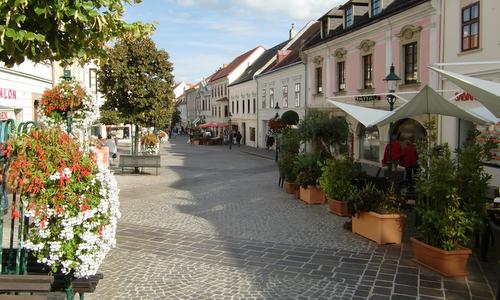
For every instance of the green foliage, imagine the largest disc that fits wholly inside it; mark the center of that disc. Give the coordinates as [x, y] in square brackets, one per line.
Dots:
[137, 82]
[110, 117]
[447, 218]
[289, 151]
[308, 169]
[290, 118]
[323, 131]
[336, 178]
[472, 179]
[369, 198]
[62, 31]
[176, 117]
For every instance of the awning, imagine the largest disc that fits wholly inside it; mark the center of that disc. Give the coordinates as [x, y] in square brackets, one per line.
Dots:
[366, 116]
[428, 102]
[196, 121]
[486, 92]
[213, 125]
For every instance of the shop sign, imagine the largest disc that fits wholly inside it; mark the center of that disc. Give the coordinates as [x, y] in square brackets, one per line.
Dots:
[464, 97]
[367, 98]
[8, 93]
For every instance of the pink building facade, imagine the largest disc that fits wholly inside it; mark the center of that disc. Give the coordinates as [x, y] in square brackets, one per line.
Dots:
[348, 62]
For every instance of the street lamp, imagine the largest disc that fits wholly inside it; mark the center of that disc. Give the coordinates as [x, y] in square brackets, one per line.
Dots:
[392, 83]
[277, 108]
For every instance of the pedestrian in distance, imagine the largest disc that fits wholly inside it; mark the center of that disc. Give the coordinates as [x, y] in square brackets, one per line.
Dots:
[238, 138]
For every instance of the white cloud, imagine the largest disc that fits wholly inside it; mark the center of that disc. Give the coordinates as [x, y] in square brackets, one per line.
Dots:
[295, 9]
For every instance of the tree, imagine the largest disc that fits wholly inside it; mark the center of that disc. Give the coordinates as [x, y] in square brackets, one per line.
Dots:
[137, 82]
[41, 30]
[290, 118]
[176, 117]
[323, 131]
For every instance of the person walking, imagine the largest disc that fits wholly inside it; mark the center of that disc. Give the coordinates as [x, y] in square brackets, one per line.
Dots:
[110, 143]
[238, 138]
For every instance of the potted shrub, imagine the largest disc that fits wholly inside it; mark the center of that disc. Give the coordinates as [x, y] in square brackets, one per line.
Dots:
[286, 163]
[308, 172]
[377, 215]
[444, 223]
[336, 183]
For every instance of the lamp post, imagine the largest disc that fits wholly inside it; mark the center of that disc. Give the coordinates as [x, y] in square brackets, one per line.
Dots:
[277, 108]
[392, 81]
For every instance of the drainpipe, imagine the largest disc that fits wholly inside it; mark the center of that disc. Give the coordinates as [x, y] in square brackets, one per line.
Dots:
[258, 136]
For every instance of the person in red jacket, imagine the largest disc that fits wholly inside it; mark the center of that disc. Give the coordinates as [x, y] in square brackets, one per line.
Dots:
[409, 160]
[396, 153]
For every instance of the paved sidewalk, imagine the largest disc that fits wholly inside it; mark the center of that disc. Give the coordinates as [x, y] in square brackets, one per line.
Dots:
[214, 225]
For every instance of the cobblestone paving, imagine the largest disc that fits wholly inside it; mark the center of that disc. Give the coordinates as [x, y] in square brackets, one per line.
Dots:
[214, 225]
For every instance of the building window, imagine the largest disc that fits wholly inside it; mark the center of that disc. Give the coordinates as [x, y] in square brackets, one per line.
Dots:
[341, 76]
[319, 80]
[243, 106]
[252, 134]
[219, 112]
[411, 63]
[263, 98]
[271, 98]
[93, 81]
[367, 72]
[232, 107]
[470, 27]
[369, 143]
[226, 113]
[248, 106]
[297, 94]
[254, 105]
[349, 18]
[376, 7]
[285, 96]
[237, 107]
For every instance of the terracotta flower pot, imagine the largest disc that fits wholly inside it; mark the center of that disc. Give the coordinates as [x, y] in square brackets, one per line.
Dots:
[297, 193]
[289, 187]
[196, 142]
[381, 228]
[338, 207]
[447, 263]
[312, 195]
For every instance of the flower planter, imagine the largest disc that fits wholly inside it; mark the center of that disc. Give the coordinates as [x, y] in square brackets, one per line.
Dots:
[381, 228]
[297, 193]
[338, 207]
[312, 195]
[447, 263]
[196, 142]
[290, 188]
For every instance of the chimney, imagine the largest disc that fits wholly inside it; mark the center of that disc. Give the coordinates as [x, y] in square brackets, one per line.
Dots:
[293, 31]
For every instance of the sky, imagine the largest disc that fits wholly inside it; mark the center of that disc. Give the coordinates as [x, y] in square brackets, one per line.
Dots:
[202, 35]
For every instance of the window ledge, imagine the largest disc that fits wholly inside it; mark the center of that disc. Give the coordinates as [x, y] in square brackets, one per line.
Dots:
[340, 93]
[471, 51]
[406, 86]
[367, 91]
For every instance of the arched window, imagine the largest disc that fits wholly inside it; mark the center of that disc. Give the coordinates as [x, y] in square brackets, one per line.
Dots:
[369, 143]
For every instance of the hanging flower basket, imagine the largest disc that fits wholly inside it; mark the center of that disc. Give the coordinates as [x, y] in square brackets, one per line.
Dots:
[70, 198]
[68, 97]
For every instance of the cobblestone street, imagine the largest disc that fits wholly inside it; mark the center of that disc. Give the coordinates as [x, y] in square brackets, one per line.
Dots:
[214, 225]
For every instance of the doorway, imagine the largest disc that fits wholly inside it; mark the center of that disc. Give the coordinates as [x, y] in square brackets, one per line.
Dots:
[244, 133]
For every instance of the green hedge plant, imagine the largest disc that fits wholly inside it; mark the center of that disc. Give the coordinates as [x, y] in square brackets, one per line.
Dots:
[336, 178]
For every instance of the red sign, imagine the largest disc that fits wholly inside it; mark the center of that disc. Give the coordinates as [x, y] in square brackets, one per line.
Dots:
[8, 93]
[4, 115]
[464, 97]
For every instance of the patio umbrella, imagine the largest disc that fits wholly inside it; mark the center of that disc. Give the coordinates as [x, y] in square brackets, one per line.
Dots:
[366, 116]
[486, 92]
[428, 102]
[222, 125]
[208, 125]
